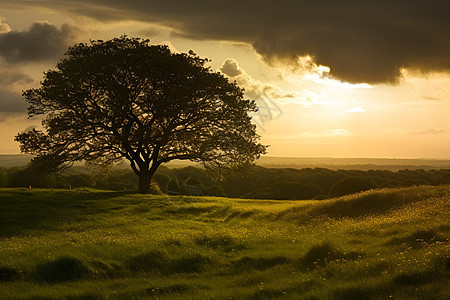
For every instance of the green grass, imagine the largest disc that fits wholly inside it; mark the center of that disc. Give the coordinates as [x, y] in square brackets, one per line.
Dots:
[91, 244]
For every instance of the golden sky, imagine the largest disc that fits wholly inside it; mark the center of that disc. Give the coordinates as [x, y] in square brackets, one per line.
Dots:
[332, 79]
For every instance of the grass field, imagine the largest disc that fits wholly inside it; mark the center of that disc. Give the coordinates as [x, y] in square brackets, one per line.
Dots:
[91, 244]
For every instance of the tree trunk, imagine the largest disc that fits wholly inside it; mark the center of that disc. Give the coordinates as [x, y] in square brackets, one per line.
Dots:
[145, 177]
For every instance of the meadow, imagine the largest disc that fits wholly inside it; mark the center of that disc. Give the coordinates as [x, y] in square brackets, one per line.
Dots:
[96, 244]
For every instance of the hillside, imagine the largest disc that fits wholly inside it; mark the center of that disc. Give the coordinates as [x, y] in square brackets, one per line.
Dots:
[93, 244]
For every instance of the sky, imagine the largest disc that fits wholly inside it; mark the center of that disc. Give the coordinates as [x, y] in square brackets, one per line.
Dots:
[331, 78]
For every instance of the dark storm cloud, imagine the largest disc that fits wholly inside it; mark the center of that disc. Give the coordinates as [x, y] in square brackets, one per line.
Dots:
[40, 43]
[362, 41]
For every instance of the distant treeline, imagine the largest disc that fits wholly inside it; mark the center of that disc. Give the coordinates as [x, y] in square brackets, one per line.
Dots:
[259, 183]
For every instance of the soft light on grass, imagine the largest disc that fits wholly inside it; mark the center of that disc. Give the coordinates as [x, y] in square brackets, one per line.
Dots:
[90, 244]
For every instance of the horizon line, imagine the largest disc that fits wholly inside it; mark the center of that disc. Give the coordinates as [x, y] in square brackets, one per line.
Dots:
[316, 157]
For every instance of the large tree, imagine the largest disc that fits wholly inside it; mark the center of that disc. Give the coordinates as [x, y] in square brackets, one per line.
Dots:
[127, 99]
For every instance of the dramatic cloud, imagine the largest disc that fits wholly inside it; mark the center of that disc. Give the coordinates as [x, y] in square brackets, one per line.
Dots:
[42, 42]
[231, 68]
[260, 91]
[361, 41]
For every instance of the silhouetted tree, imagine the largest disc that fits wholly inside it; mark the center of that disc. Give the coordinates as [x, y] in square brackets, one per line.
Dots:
[124, 98]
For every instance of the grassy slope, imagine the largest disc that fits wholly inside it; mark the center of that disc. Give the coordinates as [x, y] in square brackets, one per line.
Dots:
[89, 244]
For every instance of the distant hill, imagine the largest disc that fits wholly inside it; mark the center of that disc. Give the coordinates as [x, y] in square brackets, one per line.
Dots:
[393, 164]
[14, 160]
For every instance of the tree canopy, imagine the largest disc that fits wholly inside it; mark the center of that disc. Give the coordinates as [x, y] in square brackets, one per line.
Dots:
[127, 99]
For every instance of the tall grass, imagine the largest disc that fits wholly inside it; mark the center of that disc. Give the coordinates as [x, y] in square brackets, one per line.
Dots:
[91, 244]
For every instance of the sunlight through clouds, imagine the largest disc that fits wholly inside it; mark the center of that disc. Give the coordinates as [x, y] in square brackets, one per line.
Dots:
[254, 88]
[321, 74]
